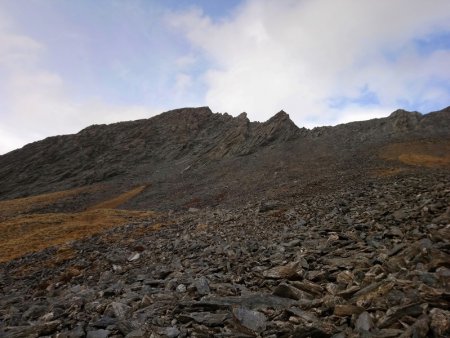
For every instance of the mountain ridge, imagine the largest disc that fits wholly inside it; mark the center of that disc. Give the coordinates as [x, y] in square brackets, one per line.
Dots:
[194, 146]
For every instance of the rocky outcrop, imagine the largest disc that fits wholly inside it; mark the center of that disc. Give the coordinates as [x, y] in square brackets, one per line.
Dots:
[193, 146]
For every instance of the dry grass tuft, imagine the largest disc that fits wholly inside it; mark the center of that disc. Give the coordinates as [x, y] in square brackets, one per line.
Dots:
[425, 160]
[431, 154]
[31, 233]
[388, 172]
[119, 200]
[24, 232]
[12, 208]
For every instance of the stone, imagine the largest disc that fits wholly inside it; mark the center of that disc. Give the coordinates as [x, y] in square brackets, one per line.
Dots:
[253, 320]
[291, 271]
[343, 310]
[419, 328]
[206, 318]
[309, 287]
[118, 310]
[306, 316]
[134, 257]
[365, 296]
[34, 312]
[364, 323]
[136, 334]
[171, 332]
[310, 331]
[287, 291]
[77, 332]
[253, 301]
[345, 277]
[104, 322]
[202, 286]
[397, 312]
[31, 331]
[440, 322]
[181, 288]
[98, 334]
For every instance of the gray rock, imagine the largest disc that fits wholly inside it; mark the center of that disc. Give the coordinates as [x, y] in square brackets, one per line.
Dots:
[202, 286]
[181, 288]
[134, 257]
[206, 318]
[34, 312]
[397, 312]
[287, 291]
[252, 301]
[171, 332]
[104, 322]
[98, 334]
[291, 271]
[118, 310]
[364, 323]
[136, 334]
[440, 322]
[310, 331]
[77, 332]
[250, 319]
[31, 331]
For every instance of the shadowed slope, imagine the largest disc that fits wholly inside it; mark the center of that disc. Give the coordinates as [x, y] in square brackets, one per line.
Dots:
[194, 158]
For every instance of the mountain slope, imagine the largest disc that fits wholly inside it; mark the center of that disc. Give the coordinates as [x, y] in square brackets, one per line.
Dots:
[260, 229]
[193, 157]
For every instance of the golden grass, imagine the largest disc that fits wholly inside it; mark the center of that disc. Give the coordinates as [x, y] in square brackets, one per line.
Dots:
[31, 233]
[431, 154]
[387, 172]
[24, 232]
[11, 208]
[119, 200]
[425, 160]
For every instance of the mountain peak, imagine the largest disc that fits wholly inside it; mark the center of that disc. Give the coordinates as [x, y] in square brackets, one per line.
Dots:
[403, 120]
[401, 113]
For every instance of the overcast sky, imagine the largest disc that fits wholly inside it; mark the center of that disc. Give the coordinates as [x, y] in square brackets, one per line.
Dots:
[68, 64]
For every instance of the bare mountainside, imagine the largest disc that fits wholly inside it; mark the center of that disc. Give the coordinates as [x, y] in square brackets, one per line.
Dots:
[192, 157]
[194, 224]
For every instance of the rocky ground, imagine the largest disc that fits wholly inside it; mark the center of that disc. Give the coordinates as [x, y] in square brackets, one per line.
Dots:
[370, 260]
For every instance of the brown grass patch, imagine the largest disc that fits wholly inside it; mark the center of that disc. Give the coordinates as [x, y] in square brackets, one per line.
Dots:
[119, 200]
[24, 232]
[31, 233]
[388, 172]
[425, 160]
[11, 208]
[432, 154]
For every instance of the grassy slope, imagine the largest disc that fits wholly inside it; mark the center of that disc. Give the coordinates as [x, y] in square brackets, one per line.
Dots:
[419, 153]
[24, 232]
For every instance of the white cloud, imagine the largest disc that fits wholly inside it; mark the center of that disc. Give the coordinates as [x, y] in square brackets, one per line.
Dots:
[35, 102]
[9, 140]
[298, 55]
[185, 61]
[356, 113]
[183, 82]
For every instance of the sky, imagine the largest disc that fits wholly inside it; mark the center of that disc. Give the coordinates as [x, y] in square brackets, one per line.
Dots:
[65, 65]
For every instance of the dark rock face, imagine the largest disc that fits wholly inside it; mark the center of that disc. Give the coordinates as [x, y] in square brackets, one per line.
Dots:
[226, 159]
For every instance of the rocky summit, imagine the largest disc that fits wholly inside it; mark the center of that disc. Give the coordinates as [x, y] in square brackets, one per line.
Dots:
[196, 224]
